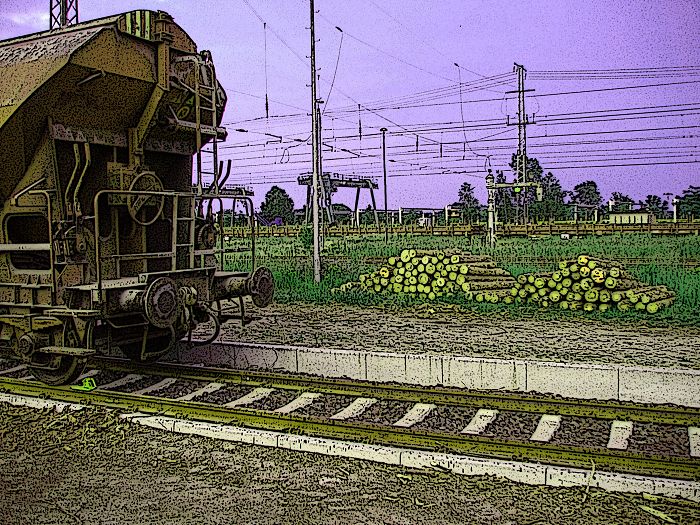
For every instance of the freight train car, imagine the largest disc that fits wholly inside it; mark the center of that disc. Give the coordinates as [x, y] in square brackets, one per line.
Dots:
[106, 243]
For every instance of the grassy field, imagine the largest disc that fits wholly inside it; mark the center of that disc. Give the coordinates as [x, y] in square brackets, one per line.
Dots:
[671, 261]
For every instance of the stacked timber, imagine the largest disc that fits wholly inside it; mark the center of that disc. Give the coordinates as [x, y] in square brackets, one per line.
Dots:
[586, 283]
[590, 284]
[432, 274]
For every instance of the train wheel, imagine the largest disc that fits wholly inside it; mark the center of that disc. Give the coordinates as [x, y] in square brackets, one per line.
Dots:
[65, 369]
[68, 369]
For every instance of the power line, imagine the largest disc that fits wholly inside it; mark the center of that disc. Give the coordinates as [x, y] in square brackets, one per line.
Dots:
[432, 163]
[452, 143]
[379, 50]
[335, 71]
[274, 32]
[474, 173]
[561, 93]
[262, 98]
[665, 108]
[551, 122]
[423, 41]
[663, 68]
[375, 112]
[396, 152]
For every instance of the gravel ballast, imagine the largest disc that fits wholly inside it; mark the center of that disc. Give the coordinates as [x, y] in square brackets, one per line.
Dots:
[443, 330]
[91, 467]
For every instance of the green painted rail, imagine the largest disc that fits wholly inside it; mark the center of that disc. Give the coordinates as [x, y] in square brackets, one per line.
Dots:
[569, 456]
[518, 402]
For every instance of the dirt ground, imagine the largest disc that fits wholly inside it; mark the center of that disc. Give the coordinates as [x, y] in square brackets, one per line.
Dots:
[448, 330]
[91, 467]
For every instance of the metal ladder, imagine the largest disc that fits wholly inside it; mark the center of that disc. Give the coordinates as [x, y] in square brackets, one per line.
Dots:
[206, 121]
[183, 228]
[204, 90]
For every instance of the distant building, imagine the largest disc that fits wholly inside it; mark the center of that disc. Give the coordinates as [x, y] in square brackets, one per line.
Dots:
[632, 217]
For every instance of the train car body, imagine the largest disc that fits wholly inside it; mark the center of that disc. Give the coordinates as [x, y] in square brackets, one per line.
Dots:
[105, 241]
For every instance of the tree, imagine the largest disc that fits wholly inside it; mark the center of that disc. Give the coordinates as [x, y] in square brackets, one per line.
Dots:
[505, 207]
[533, 169]
[342, 214]
[654, 204]
[621, 202]
[367, 216]
[533, 172]
[552, 206]
[278, 203]
[689, 203]
[587, 193]
[410, 217]
[468, 203]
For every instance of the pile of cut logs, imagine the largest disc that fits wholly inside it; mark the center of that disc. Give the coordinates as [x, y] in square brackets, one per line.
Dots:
[431, 274]
[585, 283]
[590, 284]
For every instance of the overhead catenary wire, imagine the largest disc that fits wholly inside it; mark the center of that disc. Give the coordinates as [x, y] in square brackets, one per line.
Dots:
[477, 173]
[375, 112]
[676, 68]
[622, 131]
[429, 159]
[383, 52]
[337, 111]
[373, 170]
[401, 151]
[425, 132]
[267, 101]
[335, 71]
[583, 114]
[422, 40]
[593, 116]
[274, 32]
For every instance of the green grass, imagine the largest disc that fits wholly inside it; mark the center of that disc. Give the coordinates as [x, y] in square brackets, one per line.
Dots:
[664, 261]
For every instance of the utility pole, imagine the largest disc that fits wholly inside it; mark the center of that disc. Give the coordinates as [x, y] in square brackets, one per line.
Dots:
[522, 136]
[386, 219]
[315, 156]
[673, 200]
[491, 188]
[63, 13]
[523, 121]
[491, 203]
[675, 209]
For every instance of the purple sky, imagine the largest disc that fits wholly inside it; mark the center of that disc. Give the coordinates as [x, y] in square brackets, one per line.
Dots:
[425, 38]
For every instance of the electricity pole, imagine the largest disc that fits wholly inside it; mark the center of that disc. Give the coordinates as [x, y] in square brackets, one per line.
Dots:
[315, 156]
[491, 188]
[386, 217]
[63, 13]
[522, 136]
[521, 162]
[491, 203]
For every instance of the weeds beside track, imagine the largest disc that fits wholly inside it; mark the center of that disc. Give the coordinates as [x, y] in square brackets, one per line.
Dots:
[671, 261]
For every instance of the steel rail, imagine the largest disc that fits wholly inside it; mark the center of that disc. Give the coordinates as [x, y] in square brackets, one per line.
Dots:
[517, 402]
[578, 457]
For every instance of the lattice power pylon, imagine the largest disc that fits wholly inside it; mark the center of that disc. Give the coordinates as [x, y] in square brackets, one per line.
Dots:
[63, 13]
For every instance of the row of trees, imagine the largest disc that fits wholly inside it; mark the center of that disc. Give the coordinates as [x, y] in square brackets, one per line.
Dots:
[557, 204]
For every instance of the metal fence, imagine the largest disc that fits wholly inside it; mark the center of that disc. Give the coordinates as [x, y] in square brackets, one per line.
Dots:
[502, 230]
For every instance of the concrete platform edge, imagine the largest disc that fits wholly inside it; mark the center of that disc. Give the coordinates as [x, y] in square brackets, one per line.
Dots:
[573, 380]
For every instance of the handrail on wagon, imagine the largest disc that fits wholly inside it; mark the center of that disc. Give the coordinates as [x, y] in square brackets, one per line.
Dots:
[99, 257]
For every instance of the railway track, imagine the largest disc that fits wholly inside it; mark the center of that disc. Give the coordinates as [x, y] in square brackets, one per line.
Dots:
[614, 436]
